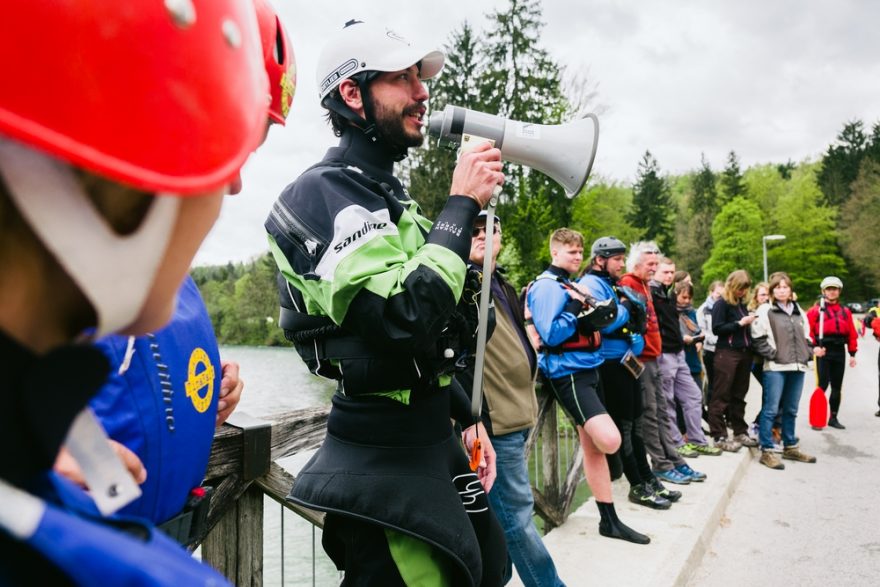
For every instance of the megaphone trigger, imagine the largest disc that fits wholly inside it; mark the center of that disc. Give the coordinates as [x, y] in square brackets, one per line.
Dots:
[470, 142]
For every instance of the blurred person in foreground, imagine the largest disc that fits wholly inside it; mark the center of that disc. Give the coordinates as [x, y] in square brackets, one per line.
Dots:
[105, 197]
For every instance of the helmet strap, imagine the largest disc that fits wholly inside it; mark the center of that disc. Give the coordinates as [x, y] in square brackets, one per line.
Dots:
[366, 123]
[114, 272]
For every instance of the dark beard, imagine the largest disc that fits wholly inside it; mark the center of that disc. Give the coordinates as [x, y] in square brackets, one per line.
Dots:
[389, 127]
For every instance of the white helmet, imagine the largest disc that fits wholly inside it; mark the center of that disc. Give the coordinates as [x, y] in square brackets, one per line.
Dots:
[830, 281]
[362, 47]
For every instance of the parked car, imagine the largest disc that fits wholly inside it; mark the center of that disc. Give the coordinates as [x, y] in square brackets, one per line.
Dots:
[856, 307]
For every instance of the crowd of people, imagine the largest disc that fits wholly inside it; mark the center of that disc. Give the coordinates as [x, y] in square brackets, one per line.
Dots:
[422, 472]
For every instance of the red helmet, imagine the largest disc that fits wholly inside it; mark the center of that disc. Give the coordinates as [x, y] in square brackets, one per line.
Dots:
[162, 95]
[279, 61]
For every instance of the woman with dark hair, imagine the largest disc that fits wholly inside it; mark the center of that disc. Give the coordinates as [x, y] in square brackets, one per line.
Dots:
[733, 361]
[780, 335]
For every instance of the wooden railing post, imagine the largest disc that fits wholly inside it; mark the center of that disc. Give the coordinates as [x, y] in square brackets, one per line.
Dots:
[550, 462]
[235, 545]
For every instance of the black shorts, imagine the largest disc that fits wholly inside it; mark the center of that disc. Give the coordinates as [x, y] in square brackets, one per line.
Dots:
[580, 395]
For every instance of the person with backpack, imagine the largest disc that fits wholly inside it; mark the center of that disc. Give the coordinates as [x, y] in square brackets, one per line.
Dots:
[620, 371]
[568, 319]
[833, 331]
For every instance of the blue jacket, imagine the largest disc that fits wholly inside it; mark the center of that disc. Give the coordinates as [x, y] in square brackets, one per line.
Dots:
[547, 299]
[164, 407]
[76, 543]
[613, 347]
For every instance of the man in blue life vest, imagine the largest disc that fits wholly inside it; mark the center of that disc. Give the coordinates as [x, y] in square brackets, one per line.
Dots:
[368, 290]
[621, 344]
[103, 207]
[568, 321]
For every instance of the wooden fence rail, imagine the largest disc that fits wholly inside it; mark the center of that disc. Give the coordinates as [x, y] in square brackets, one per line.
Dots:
[243, 469]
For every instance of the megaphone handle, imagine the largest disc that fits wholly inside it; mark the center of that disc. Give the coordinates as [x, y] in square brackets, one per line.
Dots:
[485, 293]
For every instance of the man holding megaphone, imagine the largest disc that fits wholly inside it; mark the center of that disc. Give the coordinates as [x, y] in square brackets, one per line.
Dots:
[369, 287]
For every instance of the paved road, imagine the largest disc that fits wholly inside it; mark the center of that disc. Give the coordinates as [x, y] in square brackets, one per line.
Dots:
[811, 524]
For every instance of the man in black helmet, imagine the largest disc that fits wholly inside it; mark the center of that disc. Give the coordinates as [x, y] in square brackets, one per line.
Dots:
[619, 348]
[368, 288]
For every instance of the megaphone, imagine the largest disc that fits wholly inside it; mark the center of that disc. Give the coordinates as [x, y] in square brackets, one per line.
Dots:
[565, 152]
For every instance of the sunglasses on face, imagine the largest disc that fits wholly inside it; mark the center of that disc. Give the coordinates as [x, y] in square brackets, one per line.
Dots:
[478, 230]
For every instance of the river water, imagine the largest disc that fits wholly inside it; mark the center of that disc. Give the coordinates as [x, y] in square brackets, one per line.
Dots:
[276, 380]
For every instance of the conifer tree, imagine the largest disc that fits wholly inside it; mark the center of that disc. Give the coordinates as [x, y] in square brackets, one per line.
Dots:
[732, 184]
[652, 209]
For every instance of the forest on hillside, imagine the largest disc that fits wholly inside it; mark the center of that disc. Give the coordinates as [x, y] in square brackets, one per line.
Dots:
[710, 221]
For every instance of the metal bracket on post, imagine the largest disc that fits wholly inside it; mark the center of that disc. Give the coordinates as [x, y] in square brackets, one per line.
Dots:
[256, 444]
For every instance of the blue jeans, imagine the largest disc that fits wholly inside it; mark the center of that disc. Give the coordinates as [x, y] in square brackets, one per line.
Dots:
[782, 391]
[511, 498]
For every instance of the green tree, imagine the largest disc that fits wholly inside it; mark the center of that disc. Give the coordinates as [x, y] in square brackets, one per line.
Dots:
[860, 223]
[732, 184]
[693, 231]
[652, 209]
[429, 170]
[737, 233]
[841, 162]
[601, 211]
[523, 83]
[810, 250]
[765, 187]
[704, 197]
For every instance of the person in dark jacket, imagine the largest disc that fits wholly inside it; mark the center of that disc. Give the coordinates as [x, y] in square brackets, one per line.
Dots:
[678, 385]
[510, 412]
[733, 362]
[620, 346]
[832, 329]
[779, 336]
[371, 287]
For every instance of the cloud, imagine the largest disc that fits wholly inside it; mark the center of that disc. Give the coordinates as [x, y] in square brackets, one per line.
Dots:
[771, 80]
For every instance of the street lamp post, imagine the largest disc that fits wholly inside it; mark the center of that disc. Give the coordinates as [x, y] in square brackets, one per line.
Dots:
[764, 239]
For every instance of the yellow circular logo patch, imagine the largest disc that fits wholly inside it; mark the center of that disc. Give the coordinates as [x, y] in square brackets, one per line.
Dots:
[200, 380]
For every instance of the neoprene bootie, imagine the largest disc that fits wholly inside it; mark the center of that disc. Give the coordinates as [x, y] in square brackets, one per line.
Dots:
[610, 526]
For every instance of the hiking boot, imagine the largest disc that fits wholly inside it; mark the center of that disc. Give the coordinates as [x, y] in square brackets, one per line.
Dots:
[685, 469]
[706, 450]
[643, 494]
[727, 445]
[793, 453]
[687, 452]
[745, 440]
[834, 423]
[673, 476]
[664, 492]
[877, 414]
[771, 460]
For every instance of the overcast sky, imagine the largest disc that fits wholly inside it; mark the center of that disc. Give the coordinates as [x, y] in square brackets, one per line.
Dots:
[772, 80]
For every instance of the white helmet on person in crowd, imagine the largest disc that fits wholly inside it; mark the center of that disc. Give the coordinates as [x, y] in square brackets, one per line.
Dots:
[831, 281]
